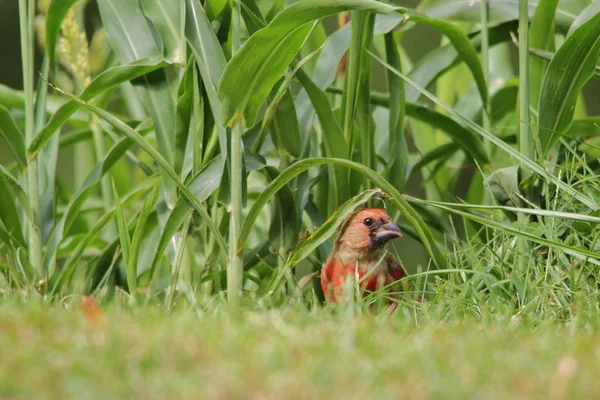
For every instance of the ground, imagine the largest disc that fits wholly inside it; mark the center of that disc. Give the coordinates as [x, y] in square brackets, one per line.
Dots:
[69, 351]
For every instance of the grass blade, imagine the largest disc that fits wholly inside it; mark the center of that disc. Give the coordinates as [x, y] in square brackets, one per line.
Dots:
[263, 59]
[9, 217]
[108, 80]
[499, 11]
[134, 251]
[13, 137]
[134, 136]
[571, 67]
[133, 37]
[124, 238]
[550, 178]
[541, 36]
[57, 11]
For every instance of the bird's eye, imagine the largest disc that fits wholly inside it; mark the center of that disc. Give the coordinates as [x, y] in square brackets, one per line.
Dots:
[368, 222]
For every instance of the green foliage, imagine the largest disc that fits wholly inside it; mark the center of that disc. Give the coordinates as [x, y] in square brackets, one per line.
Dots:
[221, 143]
[570, 69]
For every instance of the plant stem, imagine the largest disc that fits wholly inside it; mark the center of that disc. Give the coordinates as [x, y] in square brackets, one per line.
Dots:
[358, 19]
[235, 265]
[234, 270]
[485, 63]
[26, 18]
[179, 255]
[363, 103]
[105, 186]
[525, 140]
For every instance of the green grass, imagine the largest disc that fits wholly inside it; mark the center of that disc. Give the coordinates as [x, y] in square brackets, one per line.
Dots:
[55, 351]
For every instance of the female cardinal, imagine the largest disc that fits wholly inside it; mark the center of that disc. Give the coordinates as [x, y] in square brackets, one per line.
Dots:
[360, 250]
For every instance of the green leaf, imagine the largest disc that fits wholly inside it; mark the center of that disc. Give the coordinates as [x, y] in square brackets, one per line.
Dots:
[333, 138]
[504, 184]
[541, 36]
[285, 221]
[571, 67]
[499, 11]
[167, 17]
[548, 55]
[465, 50]
[205, 45]
[262, 60]
[281, 111]
[17, 191]
[467, 139]
[397, 200]
[9, 215]
[124, 237]
[109, 79]
[442, 152]
[183, 117]
[329, 59]
[133, 37]
[590, 11]
[584, 127]
[580, 252]
[177, 216]
[14, 99]
[134, 136]
[76, 202]
[439, 61]
[131, 266]
[279, 129]
[57, 11]
[210, 59]
[464, 137]
[202, 185]
[398, 164]
[285, 130]
[549, 177]
[62, 278]
[12, 135]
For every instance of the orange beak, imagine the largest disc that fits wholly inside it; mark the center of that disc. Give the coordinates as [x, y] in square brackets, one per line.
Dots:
[387, 232]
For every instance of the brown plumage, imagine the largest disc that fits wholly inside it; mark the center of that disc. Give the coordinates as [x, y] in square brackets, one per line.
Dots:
[360, 248]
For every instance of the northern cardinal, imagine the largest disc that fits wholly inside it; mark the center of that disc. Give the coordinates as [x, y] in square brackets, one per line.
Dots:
[360, 250]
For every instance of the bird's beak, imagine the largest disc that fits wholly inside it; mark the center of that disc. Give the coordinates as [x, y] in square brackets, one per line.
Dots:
[388, 232]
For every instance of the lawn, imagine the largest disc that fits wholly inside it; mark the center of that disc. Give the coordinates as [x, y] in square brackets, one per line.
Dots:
[67, 351]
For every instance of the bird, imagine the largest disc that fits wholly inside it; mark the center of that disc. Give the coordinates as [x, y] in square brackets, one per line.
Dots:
[359, 253]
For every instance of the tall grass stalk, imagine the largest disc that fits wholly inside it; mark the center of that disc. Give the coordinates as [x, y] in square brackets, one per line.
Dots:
[235, 264]
[525, 139]
[105, 188]
[358, 20]
[234, 270]
[485, 64]
[26, 19]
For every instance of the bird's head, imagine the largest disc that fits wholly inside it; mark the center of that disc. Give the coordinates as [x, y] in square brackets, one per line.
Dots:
[369, 229]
